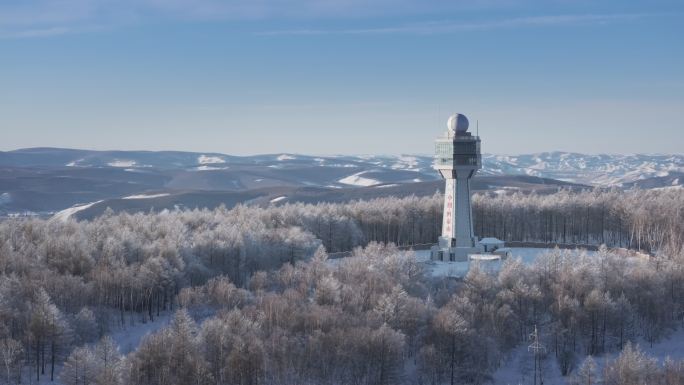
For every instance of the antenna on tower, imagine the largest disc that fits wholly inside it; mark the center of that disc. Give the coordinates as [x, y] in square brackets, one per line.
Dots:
[477, 125]
[439, 114]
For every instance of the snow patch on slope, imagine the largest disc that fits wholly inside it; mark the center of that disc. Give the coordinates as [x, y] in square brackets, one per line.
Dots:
[278, 199]
[65, 214]
[358, 180]
[122, 163]
[143, 196]
[405, 162]
[285, 157]
[206, 159]
[209, 168]
[74, 163]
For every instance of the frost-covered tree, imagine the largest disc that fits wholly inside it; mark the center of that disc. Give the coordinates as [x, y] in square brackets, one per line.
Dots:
[276, 310]
[632, 367]
[80, 368]
[10, 357]
[586, 373]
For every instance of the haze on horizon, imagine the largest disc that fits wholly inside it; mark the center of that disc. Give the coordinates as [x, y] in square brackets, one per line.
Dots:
[341, 76]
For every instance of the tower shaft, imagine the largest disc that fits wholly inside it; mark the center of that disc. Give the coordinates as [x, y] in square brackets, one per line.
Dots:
[457, 221]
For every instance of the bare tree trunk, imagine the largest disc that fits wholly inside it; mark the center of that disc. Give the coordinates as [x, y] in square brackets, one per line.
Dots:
[52, 363]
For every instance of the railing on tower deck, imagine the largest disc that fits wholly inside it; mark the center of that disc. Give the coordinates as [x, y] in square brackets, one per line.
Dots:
[460, 160]
[446, 136]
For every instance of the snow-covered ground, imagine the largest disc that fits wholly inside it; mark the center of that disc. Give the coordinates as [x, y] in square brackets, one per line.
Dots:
[129, 338]
[528, 255]
[459, 269]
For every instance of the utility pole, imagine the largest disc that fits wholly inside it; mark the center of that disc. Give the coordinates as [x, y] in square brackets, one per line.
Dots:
[537, 349]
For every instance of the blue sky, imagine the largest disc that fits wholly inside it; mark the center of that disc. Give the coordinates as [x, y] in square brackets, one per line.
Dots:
[341, 76]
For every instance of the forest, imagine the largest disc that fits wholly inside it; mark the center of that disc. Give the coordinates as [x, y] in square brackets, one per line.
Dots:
[257, 301]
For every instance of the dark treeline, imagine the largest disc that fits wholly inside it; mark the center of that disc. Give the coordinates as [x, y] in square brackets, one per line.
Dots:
[63, 284]
[648, 220]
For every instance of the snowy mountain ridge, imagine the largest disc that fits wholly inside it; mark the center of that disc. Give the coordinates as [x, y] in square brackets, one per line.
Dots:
[598, 170]
[643, 170]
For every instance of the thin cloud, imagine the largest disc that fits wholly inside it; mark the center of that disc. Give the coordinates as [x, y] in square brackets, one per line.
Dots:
[43, 12]
[40, 18]
[29, 33]
[443, 27]
[36, 18]
[40, 32]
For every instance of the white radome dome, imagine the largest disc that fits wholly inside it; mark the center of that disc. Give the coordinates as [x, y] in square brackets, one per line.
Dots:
[457, 123]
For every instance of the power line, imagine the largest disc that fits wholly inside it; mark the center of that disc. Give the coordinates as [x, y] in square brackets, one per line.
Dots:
[538, 349]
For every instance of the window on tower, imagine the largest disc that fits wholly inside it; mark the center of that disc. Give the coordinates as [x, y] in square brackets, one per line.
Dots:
[469, 147]
[459, 152]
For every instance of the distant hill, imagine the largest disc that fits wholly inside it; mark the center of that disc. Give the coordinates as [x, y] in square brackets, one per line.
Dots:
[286, 194]
[48, 180]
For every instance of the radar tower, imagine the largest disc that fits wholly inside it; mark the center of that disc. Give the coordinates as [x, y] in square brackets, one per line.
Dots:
[457, 158]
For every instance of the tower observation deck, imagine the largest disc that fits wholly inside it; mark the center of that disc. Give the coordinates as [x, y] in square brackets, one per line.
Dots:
[457, 158]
